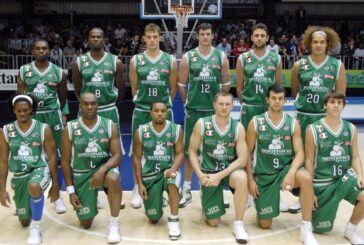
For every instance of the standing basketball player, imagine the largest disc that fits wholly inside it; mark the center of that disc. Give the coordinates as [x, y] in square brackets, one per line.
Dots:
[48, 84]
[204, 69]
[315, 75]
[100, 73]
[332, 158]
[153, 77]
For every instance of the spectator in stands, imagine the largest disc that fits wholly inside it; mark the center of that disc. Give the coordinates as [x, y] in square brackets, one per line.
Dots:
[134, 44]
[108, 46]
[336, 51]
[224, 46]
[241, 47]
[119, 32]
[272, 46]
[68, 53]
[283, 43]
[302, 50]
[359, 57]
[142, 46]
[347, 52]
[300, 18]
[56, 55]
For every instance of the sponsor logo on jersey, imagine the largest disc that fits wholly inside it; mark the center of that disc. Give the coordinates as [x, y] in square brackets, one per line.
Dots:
[323, 135]
[145, 128]
[194, 59]
[168, 135]
[272, 68]
[205, 72]
[287, 138]
[29, 74]
[10, 127]
[209, 132]
[248, 60]
[83, 58]
[101, 131]
[286, 128]
[345, 133]
[36, 143]
[12, 134]
[53, 84]
[261, 120]
[146, 135]
[164, 71]
[104, 140]
[262, 127]
[319, 128]
[328, 76]
[106, 71]
[208, 125]
[216, 66]
[78, 132]
[74, 125]
[35, 134]
[153, 75]
[27, 68]
[57, 127]
[304, 62]
[347, 143]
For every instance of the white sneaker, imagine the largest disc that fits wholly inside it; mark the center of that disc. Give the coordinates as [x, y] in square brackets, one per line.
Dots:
[60, 206]
[239, 232]
[186, 198]
[99, 203]
[295, 208]
[35, 235]
[307, 236]
[114, 235]
[173, 229]
[122, 204]
[136, 199]
[283, 207]
[353, 237]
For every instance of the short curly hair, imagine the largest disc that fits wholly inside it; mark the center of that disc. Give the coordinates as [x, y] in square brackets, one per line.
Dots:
[332, 38]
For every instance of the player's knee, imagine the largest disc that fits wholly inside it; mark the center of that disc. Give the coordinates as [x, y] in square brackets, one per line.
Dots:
[86, 224]
[24, 222]
[34, 189]
[265, 224]
[360, 199]
[304, 177]
[213, 222]
[112, 181]
[239, 179]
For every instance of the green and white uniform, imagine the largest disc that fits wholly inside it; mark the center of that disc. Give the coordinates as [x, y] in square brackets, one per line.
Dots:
[259, 75]
[333, 179]
[204, 83]
[27, 160]
[152, 85]
[98, 78]
[218, 150]
[314, 83]
[273, 156]
[158, 155]
[44, 86]
[90, 151]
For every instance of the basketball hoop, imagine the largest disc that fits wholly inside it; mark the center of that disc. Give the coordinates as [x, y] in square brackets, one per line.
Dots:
[181, 14]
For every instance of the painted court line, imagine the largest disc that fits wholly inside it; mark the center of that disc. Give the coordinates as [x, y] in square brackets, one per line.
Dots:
[62, 223]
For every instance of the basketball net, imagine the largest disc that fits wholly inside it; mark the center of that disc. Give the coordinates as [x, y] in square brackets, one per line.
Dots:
[181, 14]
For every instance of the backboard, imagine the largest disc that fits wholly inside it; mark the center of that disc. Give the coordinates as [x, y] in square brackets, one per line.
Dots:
[161, 9]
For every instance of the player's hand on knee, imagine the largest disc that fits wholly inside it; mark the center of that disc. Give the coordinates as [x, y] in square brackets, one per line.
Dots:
[53, 193]
[315, 202]
[170, 173]
[143, 191]
[75, 201]
[98, 178]
[360, 182]
[253, 189]
[213, 180]
[5, 199]
[288, 182]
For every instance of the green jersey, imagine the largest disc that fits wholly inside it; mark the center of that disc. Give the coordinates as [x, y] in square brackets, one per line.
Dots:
[98, 77]
[259, 75]
[26, 149]
[333, 151]
[204, 78]
[43, 85]
[218, 149]
[274, 146]
[153, 79]
[90, 147]
[158, 148]
[315, 82]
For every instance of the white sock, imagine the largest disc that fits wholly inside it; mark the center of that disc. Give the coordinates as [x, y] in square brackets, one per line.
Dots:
[187, 185]
[173, 216]
[351, 226]
[35, 222]
[136, 187]
[238, 222]
[307, 224]
[114, 219]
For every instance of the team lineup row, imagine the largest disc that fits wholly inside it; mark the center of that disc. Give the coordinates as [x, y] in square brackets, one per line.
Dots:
[91, 149]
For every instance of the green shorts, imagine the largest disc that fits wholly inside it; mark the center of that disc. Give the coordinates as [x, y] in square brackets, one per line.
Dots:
[19, 184]
[247, 112]
[140, 117]
[155, 187]
[191, 117]
[329, 197]
[306, 119]
[267, 202]
[212, 199]
[54, 120]
[87, 195]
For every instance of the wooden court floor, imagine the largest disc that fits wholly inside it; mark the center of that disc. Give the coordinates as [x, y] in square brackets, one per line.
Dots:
[135, 228]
